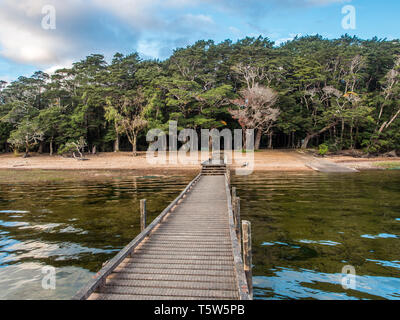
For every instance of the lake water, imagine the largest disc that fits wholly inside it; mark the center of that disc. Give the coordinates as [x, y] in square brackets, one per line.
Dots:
[306, 228]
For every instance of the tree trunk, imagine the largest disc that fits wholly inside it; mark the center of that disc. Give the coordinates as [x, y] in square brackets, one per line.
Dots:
[244, 138]
[26, 149]
[357, 135]
[293, 142]
[387, 124]
[270, 140]
[116, 144]
[40, 151]
[258, 140]
[351, 138]
[134, 147]
[342, 134]
[312, 135]
[51, 146]
[307, 141]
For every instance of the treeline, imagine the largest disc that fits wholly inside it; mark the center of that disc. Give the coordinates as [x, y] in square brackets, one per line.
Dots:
[337, 94]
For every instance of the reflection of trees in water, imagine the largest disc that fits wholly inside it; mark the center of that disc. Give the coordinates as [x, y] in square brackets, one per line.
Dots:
[316, 222]
[79, 223]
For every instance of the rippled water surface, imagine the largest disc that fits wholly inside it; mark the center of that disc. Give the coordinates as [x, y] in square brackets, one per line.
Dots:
[74, 227]
[306, 228]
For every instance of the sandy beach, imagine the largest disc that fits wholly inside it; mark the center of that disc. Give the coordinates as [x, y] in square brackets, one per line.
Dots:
[271, 160]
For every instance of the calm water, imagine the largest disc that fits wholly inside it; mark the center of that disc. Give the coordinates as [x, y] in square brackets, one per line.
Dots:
[74, 227]
[306, 227]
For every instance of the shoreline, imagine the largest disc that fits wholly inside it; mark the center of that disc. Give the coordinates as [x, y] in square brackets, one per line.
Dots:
[264, 161]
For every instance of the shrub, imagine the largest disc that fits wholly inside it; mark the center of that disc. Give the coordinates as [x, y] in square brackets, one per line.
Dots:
[323, 149]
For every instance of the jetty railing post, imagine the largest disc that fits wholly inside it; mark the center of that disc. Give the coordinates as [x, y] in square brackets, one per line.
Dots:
[142, 214]
[237, 219]
[234, 204]
[247, 255]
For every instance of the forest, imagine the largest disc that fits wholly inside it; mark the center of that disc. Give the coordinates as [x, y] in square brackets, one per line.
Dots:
[331, 94]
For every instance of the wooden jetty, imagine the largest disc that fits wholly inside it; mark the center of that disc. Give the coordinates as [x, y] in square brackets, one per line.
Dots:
[191, 251]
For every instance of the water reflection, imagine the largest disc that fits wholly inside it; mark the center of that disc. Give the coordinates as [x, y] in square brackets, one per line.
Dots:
[74, 227]
[288, 283]
[308, 226]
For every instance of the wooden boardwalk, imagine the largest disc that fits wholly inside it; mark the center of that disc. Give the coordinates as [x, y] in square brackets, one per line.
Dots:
[191, 251]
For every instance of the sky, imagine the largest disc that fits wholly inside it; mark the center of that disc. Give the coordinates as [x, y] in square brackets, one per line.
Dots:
[51, 34]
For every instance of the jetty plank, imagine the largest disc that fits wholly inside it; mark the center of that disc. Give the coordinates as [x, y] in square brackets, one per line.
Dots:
[191, 251]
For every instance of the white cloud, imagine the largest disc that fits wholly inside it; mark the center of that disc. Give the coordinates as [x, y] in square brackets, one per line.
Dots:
[106, 26]
[149, 49]
[22, 38]
[234, 30]
[51, 70]
[91, 25]
[280, 41]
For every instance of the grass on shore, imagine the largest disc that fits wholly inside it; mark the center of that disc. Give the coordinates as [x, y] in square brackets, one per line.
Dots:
[394, 165]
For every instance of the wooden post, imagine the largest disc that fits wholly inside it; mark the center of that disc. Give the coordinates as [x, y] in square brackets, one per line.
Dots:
[237, 220]
[234, 204]
[247, 255]
[143, 214]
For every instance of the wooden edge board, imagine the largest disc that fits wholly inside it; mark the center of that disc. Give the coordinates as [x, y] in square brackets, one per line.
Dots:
[110, 266]
[243, 288]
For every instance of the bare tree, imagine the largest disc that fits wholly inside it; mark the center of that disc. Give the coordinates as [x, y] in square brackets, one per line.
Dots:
[250, 75]
[256, 110]
[390, 92]
[78, 146]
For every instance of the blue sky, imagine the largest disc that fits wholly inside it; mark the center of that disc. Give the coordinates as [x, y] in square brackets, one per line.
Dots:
[155, 27]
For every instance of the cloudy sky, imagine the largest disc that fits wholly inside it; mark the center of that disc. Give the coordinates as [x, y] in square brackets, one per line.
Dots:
[155, 27]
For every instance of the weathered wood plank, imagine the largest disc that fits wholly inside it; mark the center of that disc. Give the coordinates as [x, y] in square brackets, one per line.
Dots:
[86, 291]
[240, 275]
[172, 292]
[191, 251]
[172, 284]
[247, 255]
[143, 214]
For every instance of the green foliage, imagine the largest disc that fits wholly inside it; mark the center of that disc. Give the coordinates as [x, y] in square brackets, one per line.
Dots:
[323, 149]
[332, 93]
[27, 134]
[73, 147]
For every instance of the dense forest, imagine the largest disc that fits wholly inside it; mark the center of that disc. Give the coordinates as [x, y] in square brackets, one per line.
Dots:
[309, 92]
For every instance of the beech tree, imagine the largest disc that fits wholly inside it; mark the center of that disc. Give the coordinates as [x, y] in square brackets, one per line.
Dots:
[309, 91]
[28, 134]
[256, 110]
